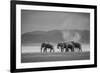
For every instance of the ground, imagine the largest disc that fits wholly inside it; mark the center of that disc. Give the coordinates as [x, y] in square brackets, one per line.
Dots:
[33, 54]
[43, 57]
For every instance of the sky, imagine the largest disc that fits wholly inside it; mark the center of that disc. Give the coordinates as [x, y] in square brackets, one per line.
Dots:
[32, 20]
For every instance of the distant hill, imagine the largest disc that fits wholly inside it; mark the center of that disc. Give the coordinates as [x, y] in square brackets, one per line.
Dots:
[56, 36]
[42, 36]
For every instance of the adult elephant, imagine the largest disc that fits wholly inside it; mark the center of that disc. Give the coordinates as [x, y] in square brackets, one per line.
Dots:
[69, 46]
[77, 45]
[65, 46]
[60, 46]
[45, 46]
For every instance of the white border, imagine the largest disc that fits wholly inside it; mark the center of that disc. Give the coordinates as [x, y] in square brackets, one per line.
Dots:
[20, 65]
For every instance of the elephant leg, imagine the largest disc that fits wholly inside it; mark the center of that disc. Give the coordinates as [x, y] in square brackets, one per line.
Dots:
[72, 49]
[50, 50]
[61, 49]
[66, 50]
[45, 49]
[80, 49]
[41, 50]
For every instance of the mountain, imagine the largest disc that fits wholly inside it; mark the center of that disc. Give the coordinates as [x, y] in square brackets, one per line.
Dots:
[42, 36]
[55, 36]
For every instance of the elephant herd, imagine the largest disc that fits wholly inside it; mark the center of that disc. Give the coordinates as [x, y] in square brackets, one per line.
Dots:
[62, 46]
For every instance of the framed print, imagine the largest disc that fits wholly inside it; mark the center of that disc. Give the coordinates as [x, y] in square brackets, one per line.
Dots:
[52, 36]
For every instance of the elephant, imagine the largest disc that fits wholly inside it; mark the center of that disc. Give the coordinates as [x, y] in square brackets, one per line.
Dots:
[45, 46]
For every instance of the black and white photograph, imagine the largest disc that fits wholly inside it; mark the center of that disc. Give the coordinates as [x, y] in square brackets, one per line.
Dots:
[52, 36]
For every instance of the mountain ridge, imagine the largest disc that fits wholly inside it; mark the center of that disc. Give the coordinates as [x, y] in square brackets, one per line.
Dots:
[55, 36]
